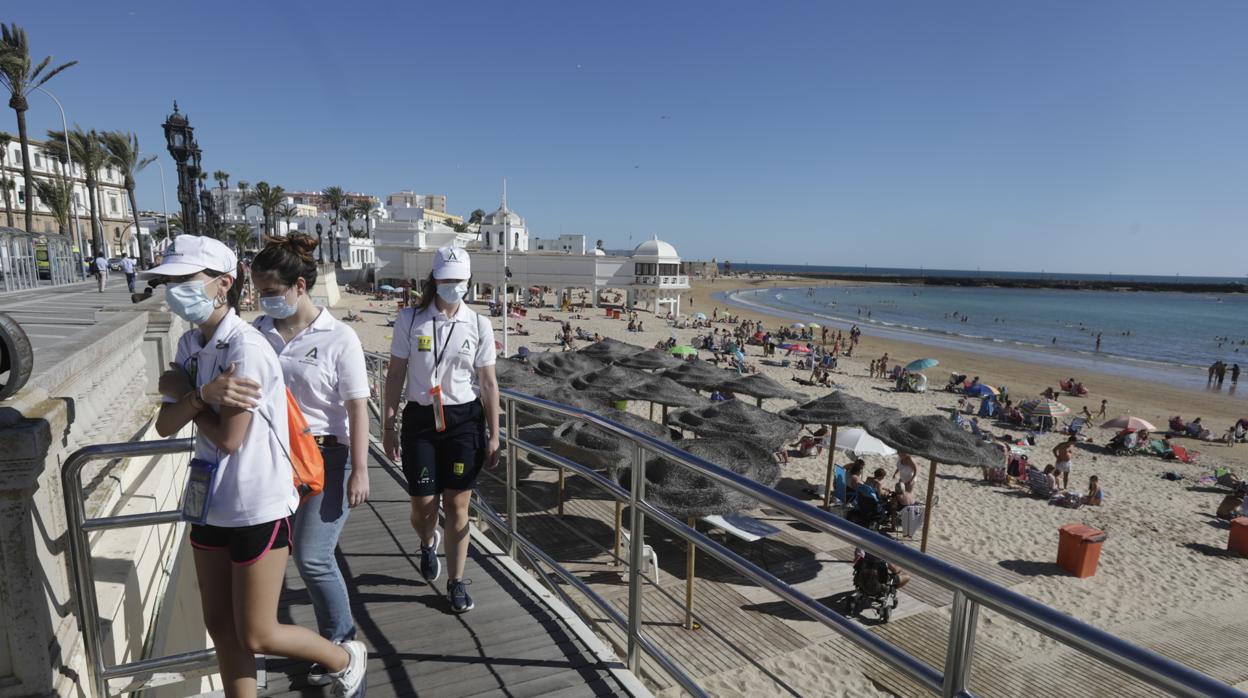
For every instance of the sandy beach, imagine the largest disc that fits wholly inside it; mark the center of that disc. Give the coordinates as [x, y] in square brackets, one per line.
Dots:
[1162, 559]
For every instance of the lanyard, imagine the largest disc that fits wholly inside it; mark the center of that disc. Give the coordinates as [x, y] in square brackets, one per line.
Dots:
[437, 355]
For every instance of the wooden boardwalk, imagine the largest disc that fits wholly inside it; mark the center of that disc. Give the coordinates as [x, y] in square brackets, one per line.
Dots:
[511, 644]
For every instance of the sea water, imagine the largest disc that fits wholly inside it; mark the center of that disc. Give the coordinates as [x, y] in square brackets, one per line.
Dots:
[1173, 336]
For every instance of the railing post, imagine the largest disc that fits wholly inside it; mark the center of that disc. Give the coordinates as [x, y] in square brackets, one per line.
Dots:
[512, 477]
[961, 645]
[636, 538]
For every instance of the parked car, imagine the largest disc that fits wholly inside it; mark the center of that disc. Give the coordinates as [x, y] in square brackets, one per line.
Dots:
[114, 264]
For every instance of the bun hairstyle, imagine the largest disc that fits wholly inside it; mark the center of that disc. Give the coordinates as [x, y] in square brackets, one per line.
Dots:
[290, 258]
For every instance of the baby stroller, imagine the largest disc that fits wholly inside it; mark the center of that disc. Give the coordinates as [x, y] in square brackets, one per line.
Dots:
[1121, 444]
[956, 383]
[875, 587]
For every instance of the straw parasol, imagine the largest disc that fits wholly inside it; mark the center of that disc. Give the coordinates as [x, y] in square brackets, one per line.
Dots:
[761, 386]
[699, 375]
[940, 441]
[737, 419]
[650, 360]
[564, 364]
[610, 350]
[659, 390]
[837, 409]
[562, 394]
[690, 496]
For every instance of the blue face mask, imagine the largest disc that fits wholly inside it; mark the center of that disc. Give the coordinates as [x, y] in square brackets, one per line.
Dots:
[188, 301]
[277, 308]
[453, 293]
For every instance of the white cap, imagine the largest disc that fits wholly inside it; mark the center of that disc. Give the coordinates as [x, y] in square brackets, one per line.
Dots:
[190, 254]
[451, 262]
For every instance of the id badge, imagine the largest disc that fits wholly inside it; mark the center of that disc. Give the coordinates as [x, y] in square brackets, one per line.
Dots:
[198, 494]
[439, 418]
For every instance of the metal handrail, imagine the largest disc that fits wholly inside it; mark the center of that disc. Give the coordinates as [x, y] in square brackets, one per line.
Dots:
[77, 528]
[970, 591]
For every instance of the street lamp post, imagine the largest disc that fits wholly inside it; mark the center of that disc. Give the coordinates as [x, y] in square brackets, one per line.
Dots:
[320, 252]
[82, 249]
[164, 205]
[180, 137]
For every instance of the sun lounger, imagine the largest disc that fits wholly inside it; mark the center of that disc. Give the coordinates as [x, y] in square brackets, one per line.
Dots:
[1039, 483]
[746, 528]
[1183, 455]
[1075, 426]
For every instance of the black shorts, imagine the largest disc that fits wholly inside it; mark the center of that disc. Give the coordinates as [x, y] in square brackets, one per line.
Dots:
[247, 544]
[434, 461]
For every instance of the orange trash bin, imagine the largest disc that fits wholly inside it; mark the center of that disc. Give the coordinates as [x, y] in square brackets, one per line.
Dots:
[1079, 549]
[1238, 542]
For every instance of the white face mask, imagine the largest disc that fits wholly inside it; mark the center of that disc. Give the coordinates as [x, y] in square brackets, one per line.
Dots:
[453, 293]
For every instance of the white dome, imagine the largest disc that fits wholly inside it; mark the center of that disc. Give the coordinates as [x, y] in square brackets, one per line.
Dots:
[502, 216]
[654, 247]
[598, 252]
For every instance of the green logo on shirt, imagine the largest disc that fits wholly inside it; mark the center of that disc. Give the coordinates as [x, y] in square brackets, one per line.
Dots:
[310, 357]
[467, 345]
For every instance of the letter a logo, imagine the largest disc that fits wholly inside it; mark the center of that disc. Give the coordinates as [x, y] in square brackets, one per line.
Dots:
[311, 354]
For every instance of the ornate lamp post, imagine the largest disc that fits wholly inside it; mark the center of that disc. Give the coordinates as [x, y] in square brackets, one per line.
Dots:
[338, 246]
[180, 138]
[320, 252]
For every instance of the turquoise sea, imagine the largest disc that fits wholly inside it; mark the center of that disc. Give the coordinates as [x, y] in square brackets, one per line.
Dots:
[1159, 335]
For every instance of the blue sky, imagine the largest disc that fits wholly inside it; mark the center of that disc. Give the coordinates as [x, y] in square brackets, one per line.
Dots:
[1068, 136]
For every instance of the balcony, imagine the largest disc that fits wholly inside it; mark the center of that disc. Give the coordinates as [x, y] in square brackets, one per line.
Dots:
[661, 281]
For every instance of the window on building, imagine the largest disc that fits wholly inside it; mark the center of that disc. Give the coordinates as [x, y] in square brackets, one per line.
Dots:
[38, 160]
[47, 227]
[21, 195]
[515, 245]
[112, 204]
[77, 201]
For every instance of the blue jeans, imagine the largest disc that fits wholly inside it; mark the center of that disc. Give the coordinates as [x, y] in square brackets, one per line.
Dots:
[317, 524]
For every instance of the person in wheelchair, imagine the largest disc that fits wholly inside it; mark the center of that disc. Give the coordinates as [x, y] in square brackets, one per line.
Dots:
[869, 510]
[876, 582]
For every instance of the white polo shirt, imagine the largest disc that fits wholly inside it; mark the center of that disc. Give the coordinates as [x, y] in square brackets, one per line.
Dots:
[255, 484]
[324, 367]
[462, 344]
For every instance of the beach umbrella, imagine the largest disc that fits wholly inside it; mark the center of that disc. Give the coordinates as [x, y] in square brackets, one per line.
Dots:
[388, 288]
[683, 350]
[1044, 407]
[699, 316]
[815, 326]
[1128, 422]
[761, 386]
[699, 375]
[564, 365]
[940, 441]
[659, 390]
[982, 390]
[609, 378]
[797, 326]
[837, 409]
[857, 441]
[650, 360]
[609, 350]
[921, 364]
[564, 395]
[690, 496]
[737, 419]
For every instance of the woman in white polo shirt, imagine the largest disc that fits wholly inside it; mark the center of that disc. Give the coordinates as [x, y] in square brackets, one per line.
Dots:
[323, 363]
[240, 492]
[443, 355]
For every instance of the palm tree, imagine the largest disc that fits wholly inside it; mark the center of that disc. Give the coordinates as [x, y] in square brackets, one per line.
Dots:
[287, 213]
[267, 198]
[240, 233]
[125, 155]
[363, 208]
[88, 152]
[175, 225]
[335, 198]
[57, 194]
[5, 182]
[17, 75]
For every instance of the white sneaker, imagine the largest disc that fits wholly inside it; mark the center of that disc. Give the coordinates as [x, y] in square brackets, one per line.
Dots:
[350, 682]
[319, 676]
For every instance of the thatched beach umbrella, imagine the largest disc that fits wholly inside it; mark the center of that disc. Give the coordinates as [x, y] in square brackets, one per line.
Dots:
[761, 386]
[838, 409]
[610, 350]
[662, 391]
[609, 378]
[687, 495]
[564, 365]
[737, 419]
[940, 441]
[650, 360]
[699, 375]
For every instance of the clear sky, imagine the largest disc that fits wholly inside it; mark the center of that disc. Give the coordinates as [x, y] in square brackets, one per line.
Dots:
[1066, 135]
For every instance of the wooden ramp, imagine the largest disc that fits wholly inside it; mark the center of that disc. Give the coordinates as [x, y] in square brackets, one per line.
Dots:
[513, 643]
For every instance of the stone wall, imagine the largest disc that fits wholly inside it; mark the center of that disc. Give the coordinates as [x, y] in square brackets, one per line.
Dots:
[102, 390]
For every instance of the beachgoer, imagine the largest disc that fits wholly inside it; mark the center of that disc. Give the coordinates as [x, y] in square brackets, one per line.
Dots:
[100, 266]
[240, 517]
[1104, 411]
[1234, 374]
[1087, 414]
[445, 360]
[1095, 496]
[1064, 453]
[322, 362]
[906, 470]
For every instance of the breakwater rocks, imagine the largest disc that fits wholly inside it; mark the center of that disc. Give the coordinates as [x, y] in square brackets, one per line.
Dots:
[1065, 284]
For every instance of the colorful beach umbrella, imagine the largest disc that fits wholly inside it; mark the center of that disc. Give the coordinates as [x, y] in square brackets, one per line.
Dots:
[684, 350]
[815, 326]
[799, 348]
[921, 364]
[1043, 407]
[1128, 422]
[982, 390]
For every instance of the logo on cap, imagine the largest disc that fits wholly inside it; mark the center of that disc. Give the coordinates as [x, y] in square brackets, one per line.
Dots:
[450, 257]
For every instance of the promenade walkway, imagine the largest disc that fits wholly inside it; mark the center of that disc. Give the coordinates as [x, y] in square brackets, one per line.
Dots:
[511, 644]
[53, 316]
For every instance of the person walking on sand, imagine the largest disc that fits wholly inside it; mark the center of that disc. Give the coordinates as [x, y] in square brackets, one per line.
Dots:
[1064, 452]
[1234, 374]
[1104, 409]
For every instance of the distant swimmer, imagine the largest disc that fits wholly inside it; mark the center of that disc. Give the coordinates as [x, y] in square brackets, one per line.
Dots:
[1054, 340]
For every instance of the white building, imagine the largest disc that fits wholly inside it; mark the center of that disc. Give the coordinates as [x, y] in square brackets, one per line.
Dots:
[502, 228]
[568, 244]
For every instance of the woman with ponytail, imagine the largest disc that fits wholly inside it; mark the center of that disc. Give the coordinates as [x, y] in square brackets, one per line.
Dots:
[322, 362]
